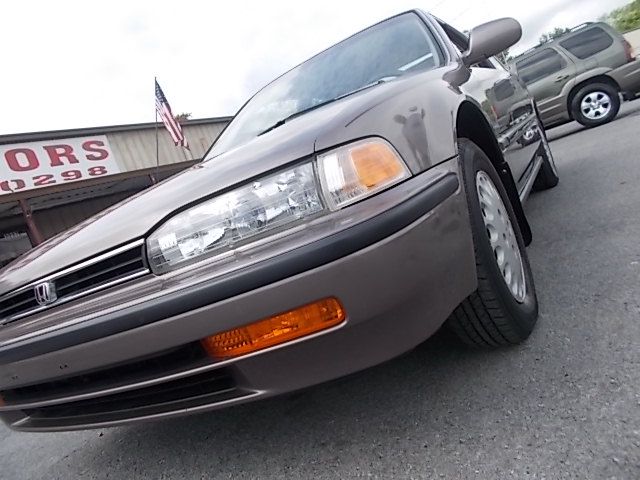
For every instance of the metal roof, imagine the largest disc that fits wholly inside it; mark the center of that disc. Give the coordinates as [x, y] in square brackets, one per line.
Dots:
[136, 149]
[79, 132]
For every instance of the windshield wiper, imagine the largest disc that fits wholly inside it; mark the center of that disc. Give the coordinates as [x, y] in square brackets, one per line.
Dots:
[281, 122]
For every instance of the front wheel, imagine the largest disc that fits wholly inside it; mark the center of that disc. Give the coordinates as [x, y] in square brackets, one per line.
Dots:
[595, 104]
[504, 308]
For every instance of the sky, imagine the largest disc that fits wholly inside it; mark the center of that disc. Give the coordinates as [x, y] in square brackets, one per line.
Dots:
[72, 64]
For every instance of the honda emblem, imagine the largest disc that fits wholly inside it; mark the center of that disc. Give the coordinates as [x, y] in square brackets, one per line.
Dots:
[45, 293]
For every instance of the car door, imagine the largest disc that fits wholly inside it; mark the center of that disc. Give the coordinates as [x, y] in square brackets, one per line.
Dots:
[548, 74]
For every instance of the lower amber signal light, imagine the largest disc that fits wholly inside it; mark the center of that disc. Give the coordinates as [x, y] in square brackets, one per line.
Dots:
[275, 330]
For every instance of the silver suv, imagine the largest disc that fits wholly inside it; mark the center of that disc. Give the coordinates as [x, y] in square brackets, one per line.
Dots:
[581, 75]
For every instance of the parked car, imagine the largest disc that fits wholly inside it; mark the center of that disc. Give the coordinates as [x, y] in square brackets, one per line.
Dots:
[581, 75]
[349, 209]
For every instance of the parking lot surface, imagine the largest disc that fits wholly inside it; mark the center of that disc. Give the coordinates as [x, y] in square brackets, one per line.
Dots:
[566, 404]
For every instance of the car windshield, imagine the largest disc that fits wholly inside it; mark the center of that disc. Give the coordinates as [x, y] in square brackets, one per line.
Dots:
[382, 52]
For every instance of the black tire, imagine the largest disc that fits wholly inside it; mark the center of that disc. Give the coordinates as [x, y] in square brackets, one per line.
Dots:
[589, 89]
[548, 175]
[491, 316]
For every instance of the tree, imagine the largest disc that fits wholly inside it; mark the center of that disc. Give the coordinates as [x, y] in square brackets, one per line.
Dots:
[504, 57]
[182, 117]
[625, 18]
[553, 34]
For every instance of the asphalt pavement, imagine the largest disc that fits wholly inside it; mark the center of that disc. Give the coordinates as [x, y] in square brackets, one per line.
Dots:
[566, 404]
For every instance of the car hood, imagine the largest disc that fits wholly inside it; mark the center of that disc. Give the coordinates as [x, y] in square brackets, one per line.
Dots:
[137, 216]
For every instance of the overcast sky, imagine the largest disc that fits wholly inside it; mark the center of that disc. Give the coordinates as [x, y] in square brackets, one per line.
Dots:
[69, 64]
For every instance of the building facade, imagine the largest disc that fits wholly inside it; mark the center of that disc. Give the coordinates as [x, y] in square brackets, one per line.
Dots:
[51, 181]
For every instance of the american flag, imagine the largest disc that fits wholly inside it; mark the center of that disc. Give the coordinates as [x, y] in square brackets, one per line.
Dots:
[164, 110]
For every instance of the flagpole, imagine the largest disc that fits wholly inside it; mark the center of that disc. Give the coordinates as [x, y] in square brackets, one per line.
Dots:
[155, 178]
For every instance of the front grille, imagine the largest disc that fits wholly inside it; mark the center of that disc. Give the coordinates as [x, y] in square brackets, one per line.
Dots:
[18, 303]
[122, 264]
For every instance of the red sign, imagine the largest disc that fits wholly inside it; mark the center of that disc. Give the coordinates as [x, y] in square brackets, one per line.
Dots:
[32, 165]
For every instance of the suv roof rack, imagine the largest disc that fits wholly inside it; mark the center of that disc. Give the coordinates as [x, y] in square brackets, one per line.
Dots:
[582, 25]
[530, 50]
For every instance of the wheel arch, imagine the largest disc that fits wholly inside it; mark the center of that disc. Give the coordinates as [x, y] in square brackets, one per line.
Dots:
[471, 123]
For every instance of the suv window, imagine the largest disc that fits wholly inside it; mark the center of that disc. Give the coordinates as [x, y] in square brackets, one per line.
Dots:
[587, 43]
[539, 65]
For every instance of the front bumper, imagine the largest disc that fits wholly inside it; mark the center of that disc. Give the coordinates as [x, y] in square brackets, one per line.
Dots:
[399, 275]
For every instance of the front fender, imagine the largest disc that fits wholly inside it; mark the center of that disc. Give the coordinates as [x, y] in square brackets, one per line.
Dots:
[416, 115]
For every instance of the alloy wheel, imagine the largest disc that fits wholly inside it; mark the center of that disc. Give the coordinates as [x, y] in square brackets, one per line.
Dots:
[596, 105]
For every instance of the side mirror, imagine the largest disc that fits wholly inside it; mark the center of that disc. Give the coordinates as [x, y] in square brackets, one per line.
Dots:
[491, 38]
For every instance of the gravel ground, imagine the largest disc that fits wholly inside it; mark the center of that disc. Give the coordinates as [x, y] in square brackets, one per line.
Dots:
[566, 404]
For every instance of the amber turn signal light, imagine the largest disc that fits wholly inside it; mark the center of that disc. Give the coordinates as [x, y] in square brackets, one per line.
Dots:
[375, 164]
[275, 330]
[353, 172]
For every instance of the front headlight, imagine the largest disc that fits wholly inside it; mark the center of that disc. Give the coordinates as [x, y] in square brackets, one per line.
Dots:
[275, 203]
[216, 226]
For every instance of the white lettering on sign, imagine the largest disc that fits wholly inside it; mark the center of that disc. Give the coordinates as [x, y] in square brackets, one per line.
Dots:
[26, 166]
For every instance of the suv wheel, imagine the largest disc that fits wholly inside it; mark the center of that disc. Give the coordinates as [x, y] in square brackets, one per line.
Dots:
[595, 104]
[504, 308]
[529, 136]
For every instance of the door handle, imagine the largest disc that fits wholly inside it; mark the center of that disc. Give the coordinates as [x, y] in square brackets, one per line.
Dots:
[561, 78]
